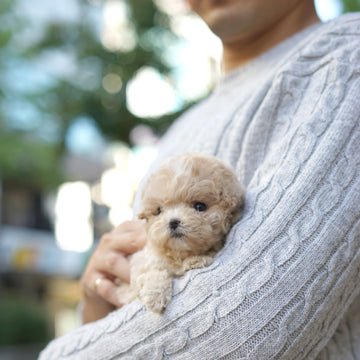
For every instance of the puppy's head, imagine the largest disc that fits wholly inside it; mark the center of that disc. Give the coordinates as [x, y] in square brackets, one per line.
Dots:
[189, 205]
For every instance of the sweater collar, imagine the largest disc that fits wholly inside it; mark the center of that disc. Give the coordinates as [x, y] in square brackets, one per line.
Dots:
[268, 61]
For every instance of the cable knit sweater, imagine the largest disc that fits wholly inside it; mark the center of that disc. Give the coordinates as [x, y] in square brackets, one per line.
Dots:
[287, 283]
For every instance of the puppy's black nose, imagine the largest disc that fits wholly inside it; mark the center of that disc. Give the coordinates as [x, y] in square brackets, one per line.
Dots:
[174, 223]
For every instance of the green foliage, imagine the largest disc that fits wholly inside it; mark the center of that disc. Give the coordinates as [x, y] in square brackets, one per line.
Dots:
[60, 99]
[74, 99]
[350, 5]
[21, 323]
[23, 159]
[5, 37]
[5, 6]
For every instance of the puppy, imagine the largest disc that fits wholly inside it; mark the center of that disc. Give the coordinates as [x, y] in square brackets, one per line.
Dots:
[189, 205]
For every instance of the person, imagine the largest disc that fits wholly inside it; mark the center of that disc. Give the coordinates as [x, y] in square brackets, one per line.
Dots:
[286, 285]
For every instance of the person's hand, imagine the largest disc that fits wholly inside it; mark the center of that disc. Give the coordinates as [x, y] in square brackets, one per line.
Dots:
[107, 264]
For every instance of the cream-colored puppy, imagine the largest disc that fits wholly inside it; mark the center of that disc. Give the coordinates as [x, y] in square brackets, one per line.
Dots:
[189, 205]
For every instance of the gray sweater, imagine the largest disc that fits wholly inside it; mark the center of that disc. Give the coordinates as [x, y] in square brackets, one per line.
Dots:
[287, 283]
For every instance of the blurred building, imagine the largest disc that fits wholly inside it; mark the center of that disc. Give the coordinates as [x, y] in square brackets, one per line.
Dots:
[47, 238]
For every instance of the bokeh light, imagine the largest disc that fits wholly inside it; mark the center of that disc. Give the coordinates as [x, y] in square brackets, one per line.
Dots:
[73, 211]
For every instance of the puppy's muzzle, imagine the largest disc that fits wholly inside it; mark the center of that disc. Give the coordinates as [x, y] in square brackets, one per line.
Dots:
[174, 226]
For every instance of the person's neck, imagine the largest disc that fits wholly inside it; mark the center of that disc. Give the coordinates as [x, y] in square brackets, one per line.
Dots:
[237, 53]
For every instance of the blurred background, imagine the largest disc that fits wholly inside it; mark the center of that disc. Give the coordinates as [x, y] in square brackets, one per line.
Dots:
[86, 89]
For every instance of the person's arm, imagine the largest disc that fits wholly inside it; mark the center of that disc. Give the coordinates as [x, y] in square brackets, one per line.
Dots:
[107, 264]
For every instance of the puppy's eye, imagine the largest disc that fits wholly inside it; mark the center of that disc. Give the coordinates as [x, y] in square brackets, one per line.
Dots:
[199, 206]
[158, 211]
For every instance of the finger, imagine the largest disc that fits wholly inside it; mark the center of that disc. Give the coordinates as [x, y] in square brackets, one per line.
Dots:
[116, 265]
[108, 291]
[89, 284]
[129, 236]
[130, 243]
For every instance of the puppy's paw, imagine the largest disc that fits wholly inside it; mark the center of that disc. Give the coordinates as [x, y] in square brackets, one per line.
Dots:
[196, 262]
[156, 291]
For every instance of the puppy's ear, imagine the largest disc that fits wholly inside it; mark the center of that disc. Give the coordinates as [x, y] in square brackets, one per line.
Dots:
[233, 198]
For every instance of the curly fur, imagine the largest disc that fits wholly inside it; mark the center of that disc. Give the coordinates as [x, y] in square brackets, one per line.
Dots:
[171, 194]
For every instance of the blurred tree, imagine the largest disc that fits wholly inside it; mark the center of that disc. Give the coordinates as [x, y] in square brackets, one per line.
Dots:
[22, 158]
[350, 5]
[150, 31]
[54, 74]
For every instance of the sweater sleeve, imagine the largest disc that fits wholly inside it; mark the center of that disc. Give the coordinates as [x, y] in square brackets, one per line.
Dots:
[290, 268]
[298, 266]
